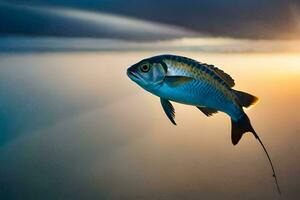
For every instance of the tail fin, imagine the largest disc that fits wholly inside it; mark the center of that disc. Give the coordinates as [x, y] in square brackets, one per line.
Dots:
[242, 126]
[238, 128]
[245, 99]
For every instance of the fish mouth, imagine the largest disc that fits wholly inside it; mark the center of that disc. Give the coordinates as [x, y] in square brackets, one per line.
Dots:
[132, 75]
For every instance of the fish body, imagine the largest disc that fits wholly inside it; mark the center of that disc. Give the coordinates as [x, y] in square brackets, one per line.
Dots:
[187, 81]
[206, 88]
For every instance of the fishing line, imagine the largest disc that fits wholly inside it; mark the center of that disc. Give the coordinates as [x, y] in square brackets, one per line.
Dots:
[270, 161]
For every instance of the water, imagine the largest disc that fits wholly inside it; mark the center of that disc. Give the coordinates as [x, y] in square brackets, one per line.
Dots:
[73, 126]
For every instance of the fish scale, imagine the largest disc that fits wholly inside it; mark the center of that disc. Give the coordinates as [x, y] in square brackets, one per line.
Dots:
[215, 87]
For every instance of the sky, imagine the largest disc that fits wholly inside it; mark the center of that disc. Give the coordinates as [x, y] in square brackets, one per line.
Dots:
[256, 19]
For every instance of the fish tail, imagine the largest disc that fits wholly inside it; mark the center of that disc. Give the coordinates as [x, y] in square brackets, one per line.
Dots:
[239, 127]
[245, 99]
[242, 126]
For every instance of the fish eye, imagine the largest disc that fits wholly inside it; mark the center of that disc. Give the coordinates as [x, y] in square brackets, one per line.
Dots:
[145, 68]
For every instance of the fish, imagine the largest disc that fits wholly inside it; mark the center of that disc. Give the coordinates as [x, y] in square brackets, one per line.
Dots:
[188, 81]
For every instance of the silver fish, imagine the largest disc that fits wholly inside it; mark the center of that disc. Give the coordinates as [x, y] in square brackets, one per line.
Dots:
[187, 81]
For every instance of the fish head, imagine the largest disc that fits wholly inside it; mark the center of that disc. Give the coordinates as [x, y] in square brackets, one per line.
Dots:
[147, 73]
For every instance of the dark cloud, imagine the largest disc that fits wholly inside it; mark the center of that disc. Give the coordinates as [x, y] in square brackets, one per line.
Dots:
[53, 21]
[235, 18]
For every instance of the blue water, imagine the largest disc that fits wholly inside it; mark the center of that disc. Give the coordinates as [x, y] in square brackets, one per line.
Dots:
[73, 126]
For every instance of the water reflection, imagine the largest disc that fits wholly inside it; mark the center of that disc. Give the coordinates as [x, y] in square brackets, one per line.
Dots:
[75, 127]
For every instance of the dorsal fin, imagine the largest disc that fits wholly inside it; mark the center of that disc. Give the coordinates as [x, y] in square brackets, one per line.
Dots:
[245, 99]
[226, 77]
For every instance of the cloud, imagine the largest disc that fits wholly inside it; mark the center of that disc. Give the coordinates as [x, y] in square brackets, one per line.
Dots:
[233, 18]
[47, 21]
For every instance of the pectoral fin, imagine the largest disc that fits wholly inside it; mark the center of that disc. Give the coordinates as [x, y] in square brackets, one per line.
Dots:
[175, 81]
[207, 111]
[169, 109]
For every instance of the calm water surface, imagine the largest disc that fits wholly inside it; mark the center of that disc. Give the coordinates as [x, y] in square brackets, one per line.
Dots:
[73, 126]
